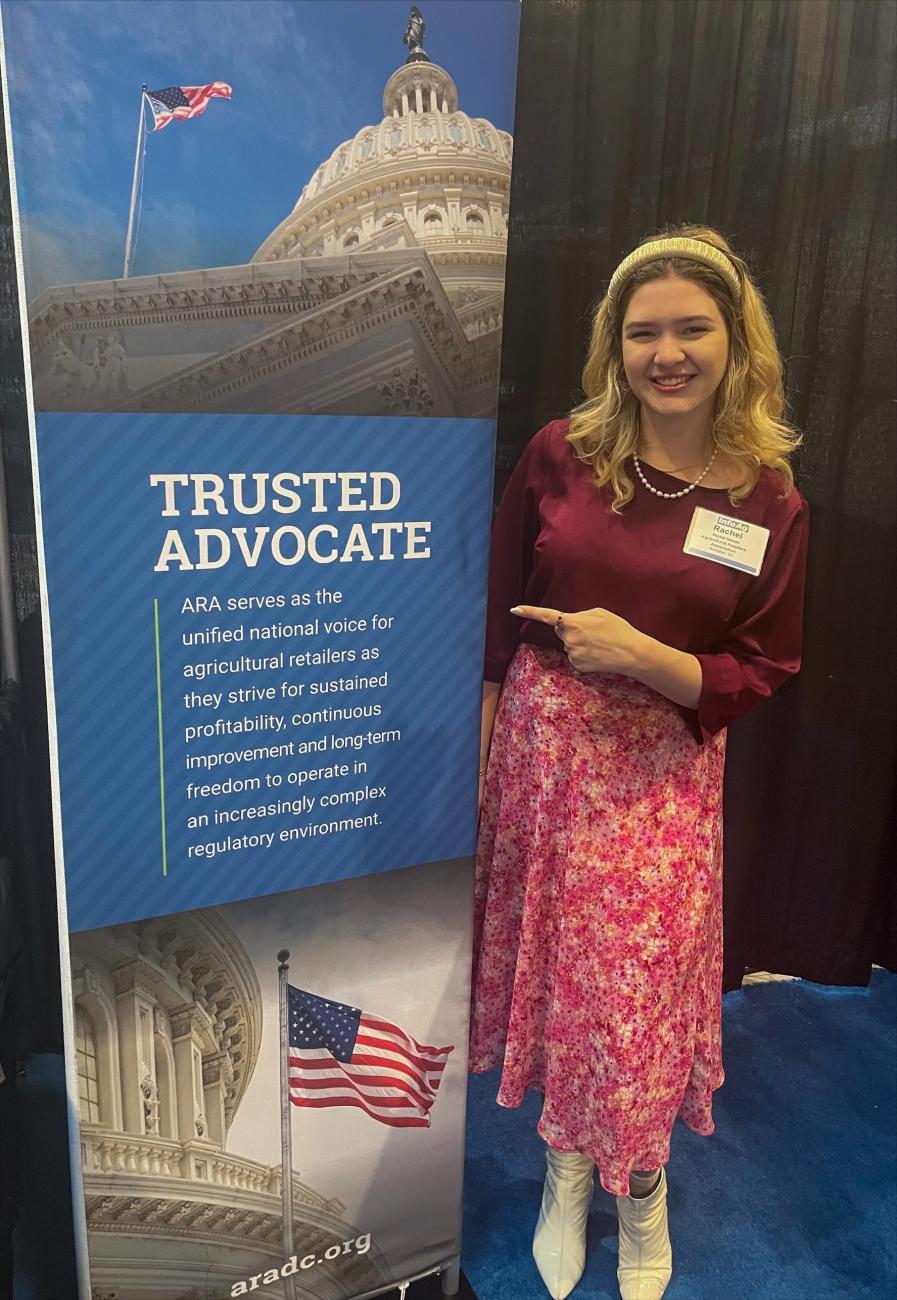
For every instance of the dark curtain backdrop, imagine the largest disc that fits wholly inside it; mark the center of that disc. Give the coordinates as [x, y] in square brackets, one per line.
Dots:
[774, 121]
[35, 1176]
[28, 839]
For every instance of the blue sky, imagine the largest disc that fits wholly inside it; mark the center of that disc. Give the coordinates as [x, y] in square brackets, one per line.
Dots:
[306, 75]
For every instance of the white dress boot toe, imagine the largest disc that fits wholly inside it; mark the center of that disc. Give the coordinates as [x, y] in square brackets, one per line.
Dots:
[646, 1257]
[559, 1245]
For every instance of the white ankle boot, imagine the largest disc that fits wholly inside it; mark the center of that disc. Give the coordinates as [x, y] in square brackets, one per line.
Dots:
[646, 1257]
[559, 1246]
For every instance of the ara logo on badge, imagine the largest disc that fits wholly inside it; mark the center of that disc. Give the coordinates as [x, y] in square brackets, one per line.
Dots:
[725, 540]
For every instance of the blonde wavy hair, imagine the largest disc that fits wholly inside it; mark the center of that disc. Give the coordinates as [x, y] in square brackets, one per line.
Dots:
[748, 420]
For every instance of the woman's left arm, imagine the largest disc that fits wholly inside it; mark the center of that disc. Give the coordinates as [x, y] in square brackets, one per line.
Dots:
[674, 673]
[759, 651]
[600, 641]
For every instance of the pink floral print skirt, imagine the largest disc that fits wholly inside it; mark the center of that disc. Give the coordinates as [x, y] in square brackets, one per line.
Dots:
[598, 930]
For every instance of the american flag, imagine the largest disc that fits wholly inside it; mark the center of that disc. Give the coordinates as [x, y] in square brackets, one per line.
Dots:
[341, 1056]
[184, 101]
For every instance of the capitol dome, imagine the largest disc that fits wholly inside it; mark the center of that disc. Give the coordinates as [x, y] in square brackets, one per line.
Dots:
[381, 292]
[426, 174]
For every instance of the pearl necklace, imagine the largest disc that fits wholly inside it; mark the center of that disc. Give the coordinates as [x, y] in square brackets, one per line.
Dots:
[670, 496]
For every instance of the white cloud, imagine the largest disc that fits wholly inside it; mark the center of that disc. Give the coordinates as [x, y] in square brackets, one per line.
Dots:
[251, 43]
[69, 143]
[54, 257]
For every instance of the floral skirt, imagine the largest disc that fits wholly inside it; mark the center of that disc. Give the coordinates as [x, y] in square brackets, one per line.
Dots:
[598, 939]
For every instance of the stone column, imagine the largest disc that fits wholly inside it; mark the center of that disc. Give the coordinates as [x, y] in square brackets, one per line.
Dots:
[187, 1043]
[166, 1080]
[366, 213]
[217, 1074]
[496, 213]
[406, 108]
[327, 231]
[453, 202]
[135, 995]
[419, 98]
[409, 209]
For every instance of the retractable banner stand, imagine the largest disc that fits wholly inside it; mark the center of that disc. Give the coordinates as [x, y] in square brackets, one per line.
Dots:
[264, 435]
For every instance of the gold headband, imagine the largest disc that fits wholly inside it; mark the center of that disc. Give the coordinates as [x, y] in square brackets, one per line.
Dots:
[678, 246]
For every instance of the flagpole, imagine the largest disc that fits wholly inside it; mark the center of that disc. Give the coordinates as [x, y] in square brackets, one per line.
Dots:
[141, 137]
[286, 1132]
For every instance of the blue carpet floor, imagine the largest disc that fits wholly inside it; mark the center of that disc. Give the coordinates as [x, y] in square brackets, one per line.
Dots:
[792, 1198]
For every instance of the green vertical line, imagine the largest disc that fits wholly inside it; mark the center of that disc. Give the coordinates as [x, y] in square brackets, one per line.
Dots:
[161, 742]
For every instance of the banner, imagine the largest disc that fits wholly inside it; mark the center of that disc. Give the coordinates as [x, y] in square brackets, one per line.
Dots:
[295, 604]
[264, 441]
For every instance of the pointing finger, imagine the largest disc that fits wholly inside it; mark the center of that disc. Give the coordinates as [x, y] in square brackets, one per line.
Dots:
[538, 613]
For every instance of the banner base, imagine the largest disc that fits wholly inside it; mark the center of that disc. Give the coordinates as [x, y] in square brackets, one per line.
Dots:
[432, 1288]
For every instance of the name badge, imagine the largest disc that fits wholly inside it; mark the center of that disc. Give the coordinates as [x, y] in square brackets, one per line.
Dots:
[725, 540]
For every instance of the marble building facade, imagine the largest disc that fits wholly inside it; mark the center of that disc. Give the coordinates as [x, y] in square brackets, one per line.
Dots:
[167, 1033]
[380, 293]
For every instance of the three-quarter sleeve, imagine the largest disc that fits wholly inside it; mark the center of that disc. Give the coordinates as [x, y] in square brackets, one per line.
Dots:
[762, 646]
[514, 531]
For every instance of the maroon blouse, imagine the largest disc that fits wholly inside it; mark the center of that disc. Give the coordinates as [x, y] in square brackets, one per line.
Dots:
[556, 542]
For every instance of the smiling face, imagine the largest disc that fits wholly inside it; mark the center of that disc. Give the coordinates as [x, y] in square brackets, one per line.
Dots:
[674, 330]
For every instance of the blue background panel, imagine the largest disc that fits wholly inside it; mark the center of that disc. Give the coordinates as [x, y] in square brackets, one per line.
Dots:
[103, 536]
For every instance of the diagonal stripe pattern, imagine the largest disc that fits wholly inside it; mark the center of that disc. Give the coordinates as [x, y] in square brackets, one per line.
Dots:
[103, 534]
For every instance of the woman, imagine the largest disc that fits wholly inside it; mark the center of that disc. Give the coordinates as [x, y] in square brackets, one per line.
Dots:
[659, 543]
